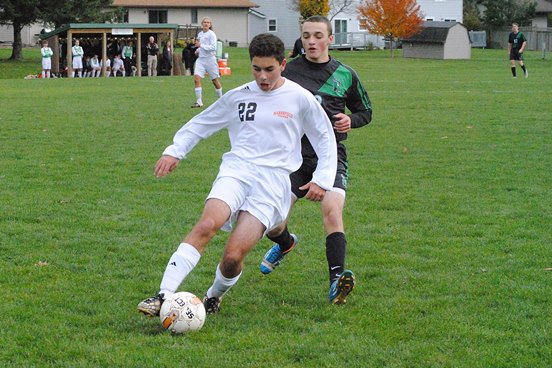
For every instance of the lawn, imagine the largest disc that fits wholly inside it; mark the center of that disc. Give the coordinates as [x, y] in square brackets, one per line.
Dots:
[448, 220]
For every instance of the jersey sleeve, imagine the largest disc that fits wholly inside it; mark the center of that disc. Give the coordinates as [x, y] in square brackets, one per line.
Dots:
[319, 132]
[216, 117]
[358, 103]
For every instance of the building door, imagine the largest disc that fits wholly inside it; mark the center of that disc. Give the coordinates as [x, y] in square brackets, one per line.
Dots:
[340, 30]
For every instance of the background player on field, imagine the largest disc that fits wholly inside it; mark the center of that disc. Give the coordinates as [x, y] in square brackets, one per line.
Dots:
[252, 191]
[206, 61]
[516, 46]
[338, 88]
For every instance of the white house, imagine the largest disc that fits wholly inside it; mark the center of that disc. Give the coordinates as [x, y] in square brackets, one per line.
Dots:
[432, 10]
[275, 16]
[230, 17]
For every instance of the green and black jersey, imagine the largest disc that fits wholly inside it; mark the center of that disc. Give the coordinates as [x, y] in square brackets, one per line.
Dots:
[336, 86]
[516, 39]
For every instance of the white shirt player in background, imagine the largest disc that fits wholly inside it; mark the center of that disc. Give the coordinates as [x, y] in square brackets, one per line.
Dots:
[77, 53]
[265, 119]
[47, 54]
[206, 61]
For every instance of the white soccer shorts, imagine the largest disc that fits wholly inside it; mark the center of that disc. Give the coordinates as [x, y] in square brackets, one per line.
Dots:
[206, 65]
[263, 192]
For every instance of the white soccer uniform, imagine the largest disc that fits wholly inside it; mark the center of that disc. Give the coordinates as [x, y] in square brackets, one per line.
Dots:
[77, 52]
[47, 54]
[207, 60]
[118, 65]
[265, 130]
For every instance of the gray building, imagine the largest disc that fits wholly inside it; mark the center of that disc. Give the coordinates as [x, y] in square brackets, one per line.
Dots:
[274, 16]
[439, 40]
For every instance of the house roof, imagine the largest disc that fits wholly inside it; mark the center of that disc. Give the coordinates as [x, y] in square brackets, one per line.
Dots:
[544, 6]
[185, 3]
[432, 32]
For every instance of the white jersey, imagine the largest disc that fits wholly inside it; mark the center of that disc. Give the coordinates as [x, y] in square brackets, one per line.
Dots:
[207, 44]
[265, 129]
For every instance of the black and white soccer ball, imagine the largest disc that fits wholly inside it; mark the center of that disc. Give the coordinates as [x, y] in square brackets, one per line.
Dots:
[182, 312]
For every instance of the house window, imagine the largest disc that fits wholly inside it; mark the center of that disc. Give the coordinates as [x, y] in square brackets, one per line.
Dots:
[157, 16]
[272, 25]
[193, 15]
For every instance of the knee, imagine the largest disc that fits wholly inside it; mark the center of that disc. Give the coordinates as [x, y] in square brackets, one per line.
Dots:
[231, 264]
[206, 228]
[332, 217]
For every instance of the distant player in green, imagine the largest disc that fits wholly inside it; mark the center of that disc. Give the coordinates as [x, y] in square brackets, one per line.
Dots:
[516, 46]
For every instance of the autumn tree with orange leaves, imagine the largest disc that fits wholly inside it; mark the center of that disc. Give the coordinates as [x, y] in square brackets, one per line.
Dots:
[391, 18]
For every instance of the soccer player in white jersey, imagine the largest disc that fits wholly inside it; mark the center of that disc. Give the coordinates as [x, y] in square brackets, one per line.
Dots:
[47, 54]
[77, 53]
[252, 192]
[206, 61]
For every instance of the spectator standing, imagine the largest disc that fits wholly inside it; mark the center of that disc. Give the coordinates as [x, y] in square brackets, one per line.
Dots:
[77, 53]
[127, 54]
[167, 58]
[153, 50]
[189, 56]
[47, 54]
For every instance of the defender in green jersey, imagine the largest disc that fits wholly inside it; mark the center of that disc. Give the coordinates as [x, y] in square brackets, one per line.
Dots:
[338, 88]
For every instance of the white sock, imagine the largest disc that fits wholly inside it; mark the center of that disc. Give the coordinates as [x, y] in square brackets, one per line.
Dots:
[43, 74]
[72, 74]
[219, 92]
[80, 74]
[198, 93]
[182, 262]
[221, 284]
[48, 74]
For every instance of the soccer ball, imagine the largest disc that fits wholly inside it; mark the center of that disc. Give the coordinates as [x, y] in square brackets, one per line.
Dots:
[182, 312]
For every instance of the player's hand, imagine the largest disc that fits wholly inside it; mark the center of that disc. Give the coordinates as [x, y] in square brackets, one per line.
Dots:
[342, 123]
[314, 192]
[165, 165]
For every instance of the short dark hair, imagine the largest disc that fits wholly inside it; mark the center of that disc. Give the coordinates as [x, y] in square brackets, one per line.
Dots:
[267, 45]
[320, 19]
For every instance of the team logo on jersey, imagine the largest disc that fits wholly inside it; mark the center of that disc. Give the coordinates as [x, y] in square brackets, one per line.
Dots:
[283, 114]
[337, 86]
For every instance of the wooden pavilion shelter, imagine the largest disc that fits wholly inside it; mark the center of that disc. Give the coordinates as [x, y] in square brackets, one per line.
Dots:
[97, 36]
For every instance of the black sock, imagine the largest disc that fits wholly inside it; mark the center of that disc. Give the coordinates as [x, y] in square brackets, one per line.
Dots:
[523, 67]
[514, 71]
[336, 249]
[285, 240]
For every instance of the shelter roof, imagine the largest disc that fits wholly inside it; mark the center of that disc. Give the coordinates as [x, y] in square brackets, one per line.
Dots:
[185, 3]
[103, 26]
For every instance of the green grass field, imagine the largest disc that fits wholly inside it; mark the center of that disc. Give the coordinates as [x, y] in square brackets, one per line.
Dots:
[448, 218]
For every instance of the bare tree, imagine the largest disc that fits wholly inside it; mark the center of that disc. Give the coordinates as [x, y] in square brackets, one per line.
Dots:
[338, 6]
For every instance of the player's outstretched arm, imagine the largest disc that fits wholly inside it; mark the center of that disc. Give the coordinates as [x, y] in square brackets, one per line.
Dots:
[165, 165]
